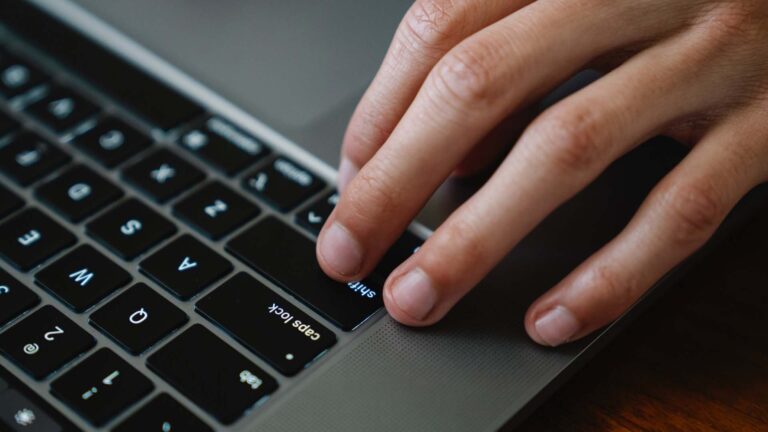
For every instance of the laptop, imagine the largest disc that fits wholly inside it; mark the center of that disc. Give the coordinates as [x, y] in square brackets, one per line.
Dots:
[165, 167]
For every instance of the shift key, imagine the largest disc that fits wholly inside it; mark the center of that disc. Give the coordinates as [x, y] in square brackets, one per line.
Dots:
[266, 324]
[288, 258]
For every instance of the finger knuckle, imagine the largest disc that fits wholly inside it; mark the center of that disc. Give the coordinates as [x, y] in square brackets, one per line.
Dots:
[617, 292]
[369, 199]
[364, 135]
[577, 138]
[430, 25]
[695, 212]
[460, 244]
[464, 77]
[729, 21]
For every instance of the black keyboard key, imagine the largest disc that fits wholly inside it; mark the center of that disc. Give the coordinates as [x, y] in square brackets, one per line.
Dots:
[130, 229]
[215, 210]
[288, 258]
[162, 175]
[101, 387]
[283, 184]
[138, 318]
[185, 267]
[224, 146]
[78, 193]
[17, 76]
[22, 410]
[112, 142]
[313, 218]
[29, 157]
[163, 413]
[266, 324]
[401, 250]
[61, 109]
[121, 79]
[15, 298]
[30, 237]
[9, 202]
[82, 278]
[7, 124]
[44, 341]
[212, 374]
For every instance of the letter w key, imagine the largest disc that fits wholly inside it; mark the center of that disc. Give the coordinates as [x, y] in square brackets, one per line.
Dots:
[82, 276]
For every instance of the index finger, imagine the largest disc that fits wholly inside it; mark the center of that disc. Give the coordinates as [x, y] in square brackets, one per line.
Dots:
[429, 29]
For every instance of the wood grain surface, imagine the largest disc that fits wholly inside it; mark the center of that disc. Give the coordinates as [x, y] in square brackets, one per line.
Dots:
[696, 360]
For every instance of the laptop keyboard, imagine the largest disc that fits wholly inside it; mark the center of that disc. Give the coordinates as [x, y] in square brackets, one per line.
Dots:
[206, 185]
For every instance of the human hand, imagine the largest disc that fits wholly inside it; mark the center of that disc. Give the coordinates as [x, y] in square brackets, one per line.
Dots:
[458, 73]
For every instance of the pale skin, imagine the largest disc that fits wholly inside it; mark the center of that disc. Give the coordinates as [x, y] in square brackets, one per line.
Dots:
[459, 75]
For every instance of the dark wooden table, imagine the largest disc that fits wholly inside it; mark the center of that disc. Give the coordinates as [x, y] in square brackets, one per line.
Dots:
[696, 360]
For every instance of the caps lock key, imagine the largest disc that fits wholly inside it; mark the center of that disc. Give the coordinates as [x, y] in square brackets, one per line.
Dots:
[266, 323]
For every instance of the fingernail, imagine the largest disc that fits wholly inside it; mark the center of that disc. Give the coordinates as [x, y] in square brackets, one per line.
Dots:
[414, 294]
[347, 171]
[341, 251]
[557, 326]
